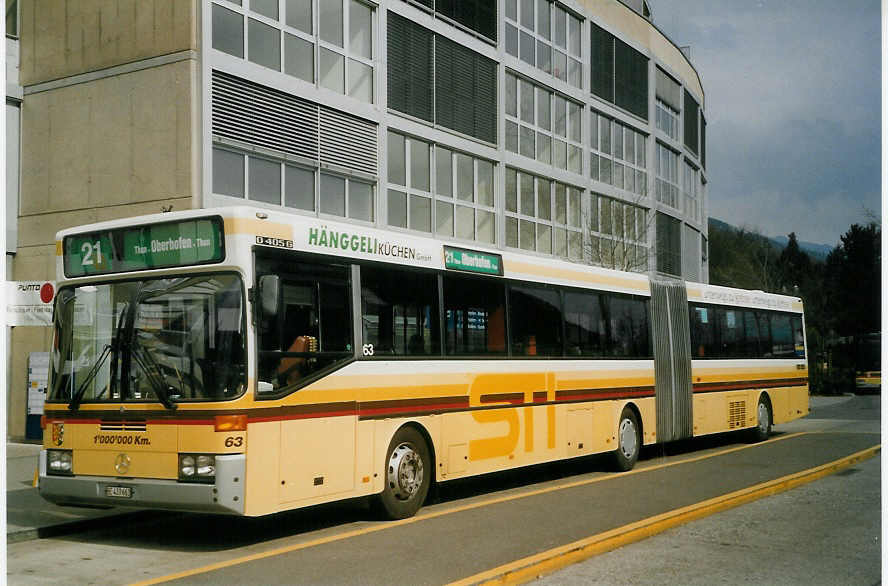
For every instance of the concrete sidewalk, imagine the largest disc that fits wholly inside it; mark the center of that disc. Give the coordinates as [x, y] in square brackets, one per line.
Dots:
[28, 516]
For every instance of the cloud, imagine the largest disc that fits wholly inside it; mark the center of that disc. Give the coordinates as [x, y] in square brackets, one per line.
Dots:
[792, 104]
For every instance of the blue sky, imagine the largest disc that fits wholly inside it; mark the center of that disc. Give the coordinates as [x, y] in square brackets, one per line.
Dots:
[792, 106]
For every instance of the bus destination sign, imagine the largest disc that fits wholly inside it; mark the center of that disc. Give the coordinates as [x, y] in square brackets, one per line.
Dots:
[473, 261]
[138, 248]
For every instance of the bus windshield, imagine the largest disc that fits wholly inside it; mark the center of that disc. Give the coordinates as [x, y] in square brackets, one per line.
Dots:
[163, 339]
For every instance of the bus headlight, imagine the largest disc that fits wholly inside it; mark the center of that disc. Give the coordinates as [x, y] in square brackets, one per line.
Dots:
[60, 462]
[197, 467]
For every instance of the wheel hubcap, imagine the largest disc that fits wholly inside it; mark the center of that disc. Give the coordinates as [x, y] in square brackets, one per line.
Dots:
[628, 439]
[405, 472]
[763, 417]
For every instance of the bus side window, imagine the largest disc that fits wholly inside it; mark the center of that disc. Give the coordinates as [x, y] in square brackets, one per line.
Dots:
[473, 316]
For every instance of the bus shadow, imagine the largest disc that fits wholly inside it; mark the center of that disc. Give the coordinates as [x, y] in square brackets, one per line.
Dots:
[193, 532]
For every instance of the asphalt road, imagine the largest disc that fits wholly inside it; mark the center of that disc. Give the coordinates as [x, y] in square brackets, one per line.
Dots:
[484, 523]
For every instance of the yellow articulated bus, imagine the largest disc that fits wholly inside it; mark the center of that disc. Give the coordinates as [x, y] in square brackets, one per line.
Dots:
[248, 361]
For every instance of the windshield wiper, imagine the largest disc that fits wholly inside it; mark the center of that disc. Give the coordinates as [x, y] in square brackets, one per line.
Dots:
[151, 370]
[81, 390]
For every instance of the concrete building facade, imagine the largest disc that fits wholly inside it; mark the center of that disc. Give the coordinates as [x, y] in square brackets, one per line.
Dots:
[567, 128]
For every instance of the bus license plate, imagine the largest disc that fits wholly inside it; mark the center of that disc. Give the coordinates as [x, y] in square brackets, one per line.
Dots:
[123, 492]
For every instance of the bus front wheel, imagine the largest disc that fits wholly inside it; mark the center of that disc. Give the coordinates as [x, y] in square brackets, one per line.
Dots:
[628, 441]
[407, 475]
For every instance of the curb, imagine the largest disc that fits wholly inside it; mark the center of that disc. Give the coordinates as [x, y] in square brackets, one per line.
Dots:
[532, 567]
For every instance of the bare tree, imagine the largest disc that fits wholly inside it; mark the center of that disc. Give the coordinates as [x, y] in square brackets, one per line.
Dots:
[623, 228]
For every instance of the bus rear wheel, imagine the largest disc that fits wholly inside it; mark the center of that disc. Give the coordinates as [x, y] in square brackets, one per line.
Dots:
[764, 417]
[628, 441]
[408, 473]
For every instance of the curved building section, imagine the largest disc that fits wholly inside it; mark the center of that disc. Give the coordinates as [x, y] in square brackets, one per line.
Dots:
[569, 129]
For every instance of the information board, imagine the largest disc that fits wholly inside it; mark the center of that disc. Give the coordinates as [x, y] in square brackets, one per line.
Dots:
[137, 248]
[473, 261]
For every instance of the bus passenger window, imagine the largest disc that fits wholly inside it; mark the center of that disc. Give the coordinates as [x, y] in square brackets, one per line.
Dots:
[629, 332]
[536, 321]
[798, 336]
[399, 312]
[312, 331]
[782, 339]
[474, 316]
[703, 332]
[584, 324]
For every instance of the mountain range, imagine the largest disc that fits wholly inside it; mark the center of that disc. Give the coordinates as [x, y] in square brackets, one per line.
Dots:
[816, 251]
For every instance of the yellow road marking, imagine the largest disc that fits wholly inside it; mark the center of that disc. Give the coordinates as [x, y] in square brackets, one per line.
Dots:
[531, 567]
[435, 514]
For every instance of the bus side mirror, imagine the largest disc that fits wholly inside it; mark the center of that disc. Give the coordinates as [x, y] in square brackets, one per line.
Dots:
[269, 295]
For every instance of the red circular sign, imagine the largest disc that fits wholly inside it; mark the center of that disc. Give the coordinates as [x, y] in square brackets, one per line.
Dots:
[46, 292]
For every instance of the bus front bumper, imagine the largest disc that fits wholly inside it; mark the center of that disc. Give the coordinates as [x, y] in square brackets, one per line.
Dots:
[226, 495]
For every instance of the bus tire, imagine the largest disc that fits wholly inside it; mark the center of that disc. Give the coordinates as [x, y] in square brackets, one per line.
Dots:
[628, 441]
[764, 417]
[407, 475]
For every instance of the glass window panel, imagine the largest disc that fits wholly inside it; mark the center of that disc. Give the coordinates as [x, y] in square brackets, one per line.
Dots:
[560, 70]
[474, 316]
[512, 232]
[465, 177]
[604, 132]
[573, 207]
[560, 203]
[511, 40]
[511, 190]
[397, 208]
[629, 180]
[593, 135]
[299, 58]
[576, 122]
[444, 172]
[544, 18]
[544, 238]
[593, 213]
[486, 226]
[527, 14]
[640, 151]
[527, 44]
[360, 200]
[544, 199]
[575, 73]
[299, 186]
[228, 31]
[331, 21]
[527, 143]
[332, 195]
[574, 35]
[512, 9]
[575, 159]
[527, 235]
[267, 8]
[544, 148]
[561, 242]
[419, 165]
[400, 312]
[360, 25]
[584, 324]
[265, 181]
[605, 172]
[593, 166]
[629, 146]
[331, 68]
[527, 195]
[544, 109]
[464, 221]
[485, 183]
[535, 320]
[618, 175]
[526, 98]
[511, 136]
[574, 245]
[360, 85]
[228, 173]
[560, 18]
[618, 141]
[397, 159]
[560, 116]
[544, 57]
[265, 45]
[444, 218]
[511, 95]
[560, 155]
[628, 327]
[607, 221]
[298, 14]
[420, 213]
